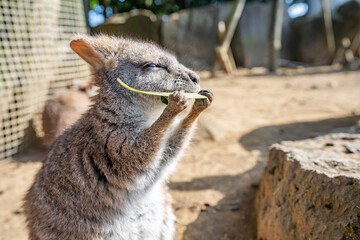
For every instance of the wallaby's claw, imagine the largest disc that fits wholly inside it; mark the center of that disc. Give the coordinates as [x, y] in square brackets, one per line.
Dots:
[178, 101]
[202, 104]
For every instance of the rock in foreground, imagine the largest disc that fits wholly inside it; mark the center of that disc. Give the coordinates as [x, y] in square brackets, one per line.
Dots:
[310, 189]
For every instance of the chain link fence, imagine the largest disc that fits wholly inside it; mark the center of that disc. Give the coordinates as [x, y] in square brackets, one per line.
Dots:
[35, 61]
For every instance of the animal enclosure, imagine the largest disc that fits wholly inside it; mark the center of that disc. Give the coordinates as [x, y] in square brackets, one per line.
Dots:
[35, 60]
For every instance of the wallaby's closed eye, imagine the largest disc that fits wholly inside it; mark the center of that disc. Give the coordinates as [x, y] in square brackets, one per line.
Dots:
[104, 177]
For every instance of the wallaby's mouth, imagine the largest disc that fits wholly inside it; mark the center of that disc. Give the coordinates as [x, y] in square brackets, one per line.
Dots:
[188, 89]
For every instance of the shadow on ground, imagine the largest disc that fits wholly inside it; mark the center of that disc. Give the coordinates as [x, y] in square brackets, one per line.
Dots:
[233, 217]
[262, 138]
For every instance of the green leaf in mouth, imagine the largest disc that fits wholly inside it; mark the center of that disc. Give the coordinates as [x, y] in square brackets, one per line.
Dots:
[164, 100]
[161, 94]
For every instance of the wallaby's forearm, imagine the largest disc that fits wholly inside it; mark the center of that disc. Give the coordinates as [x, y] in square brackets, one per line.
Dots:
[150, 141]
[181, 134]
[177, 142]
[144, 150]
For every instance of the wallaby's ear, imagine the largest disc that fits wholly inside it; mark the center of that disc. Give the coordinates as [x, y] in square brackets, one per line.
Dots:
[86, 52]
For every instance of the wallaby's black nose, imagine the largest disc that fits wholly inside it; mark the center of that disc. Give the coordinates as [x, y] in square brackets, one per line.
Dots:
[195, 78]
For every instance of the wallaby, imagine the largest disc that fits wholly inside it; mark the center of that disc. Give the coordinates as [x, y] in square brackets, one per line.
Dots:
[64, 108]
[104, 177]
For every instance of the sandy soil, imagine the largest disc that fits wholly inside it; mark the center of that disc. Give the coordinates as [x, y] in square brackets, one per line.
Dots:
[215, 184]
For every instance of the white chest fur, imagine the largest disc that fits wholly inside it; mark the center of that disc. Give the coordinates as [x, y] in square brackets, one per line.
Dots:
[142, 217]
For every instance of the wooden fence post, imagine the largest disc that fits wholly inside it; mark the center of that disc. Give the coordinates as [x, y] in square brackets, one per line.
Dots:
[223, 51]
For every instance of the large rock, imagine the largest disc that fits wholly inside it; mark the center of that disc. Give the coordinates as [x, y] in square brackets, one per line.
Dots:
[310, 189]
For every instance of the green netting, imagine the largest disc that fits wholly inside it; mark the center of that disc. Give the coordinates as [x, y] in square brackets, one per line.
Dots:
[35, 60]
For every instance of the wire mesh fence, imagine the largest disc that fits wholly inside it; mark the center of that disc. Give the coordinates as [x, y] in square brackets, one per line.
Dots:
[35, 61]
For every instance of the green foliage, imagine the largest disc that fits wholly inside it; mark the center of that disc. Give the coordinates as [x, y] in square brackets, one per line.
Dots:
[159, 7]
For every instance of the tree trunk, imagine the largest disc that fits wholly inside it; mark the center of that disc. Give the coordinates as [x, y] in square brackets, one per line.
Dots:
[329, 32]
[275, 34]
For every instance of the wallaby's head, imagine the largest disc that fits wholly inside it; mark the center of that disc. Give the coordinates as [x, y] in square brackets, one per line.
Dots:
[141, 65]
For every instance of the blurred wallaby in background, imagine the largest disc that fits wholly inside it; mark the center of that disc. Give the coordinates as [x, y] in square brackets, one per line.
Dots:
[64, 108]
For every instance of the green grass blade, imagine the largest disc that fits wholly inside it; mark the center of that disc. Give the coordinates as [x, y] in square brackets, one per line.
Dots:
[161, 94]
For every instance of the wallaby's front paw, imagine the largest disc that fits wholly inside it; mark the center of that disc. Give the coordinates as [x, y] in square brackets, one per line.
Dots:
[202, 104]
[177, 101]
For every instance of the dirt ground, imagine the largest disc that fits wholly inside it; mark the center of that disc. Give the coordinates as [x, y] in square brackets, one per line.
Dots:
[215, 183]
